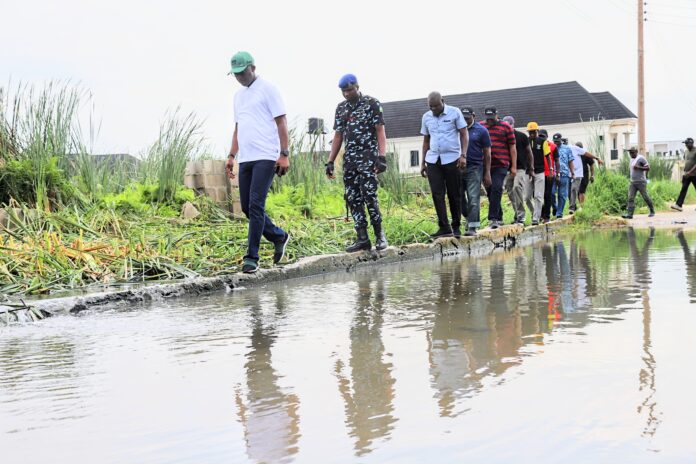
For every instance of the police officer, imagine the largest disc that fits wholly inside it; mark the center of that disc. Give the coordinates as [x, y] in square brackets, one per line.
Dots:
[359, 123]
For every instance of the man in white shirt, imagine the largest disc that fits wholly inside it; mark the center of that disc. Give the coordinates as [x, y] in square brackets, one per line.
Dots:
[578, 153]
[260, 146]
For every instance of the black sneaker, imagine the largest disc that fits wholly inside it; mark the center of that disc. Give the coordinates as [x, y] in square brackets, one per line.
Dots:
[456, 232]
[652, 214]
[470, 232]
[250, 266]
[441, 233]
[279, 252]
[535, 223]
[493, 224]
[627, 216]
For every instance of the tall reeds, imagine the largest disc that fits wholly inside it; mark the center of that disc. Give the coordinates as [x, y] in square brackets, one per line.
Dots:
[37, 135]
[180, 140]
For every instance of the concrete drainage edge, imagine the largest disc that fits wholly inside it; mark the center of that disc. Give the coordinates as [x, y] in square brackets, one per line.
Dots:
[484, 243]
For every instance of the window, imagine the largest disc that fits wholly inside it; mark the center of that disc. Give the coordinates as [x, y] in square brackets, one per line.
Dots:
[613, 143]
[614, 154]
[415, 158]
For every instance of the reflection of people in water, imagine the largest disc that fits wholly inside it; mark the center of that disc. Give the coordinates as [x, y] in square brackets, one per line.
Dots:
[639, 257]
[690, 260]
[473, 329]
[268, 414]
[507, 321]
[369, 393]
[450, 344]
[647, 382]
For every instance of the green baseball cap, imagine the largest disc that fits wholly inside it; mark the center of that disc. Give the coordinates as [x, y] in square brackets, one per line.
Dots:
[240, 61]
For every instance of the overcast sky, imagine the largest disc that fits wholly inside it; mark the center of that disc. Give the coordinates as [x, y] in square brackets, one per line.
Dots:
[142, 58]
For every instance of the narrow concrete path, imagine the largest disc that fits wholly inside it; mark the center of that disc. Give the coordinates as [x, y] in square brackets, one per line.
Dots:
[671, 219]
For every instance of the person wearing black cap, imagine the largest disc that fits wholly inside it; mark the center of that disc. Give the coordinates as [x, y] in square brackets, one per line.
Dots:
[503, 161]
[359, 123]
[477, 170]
[689, 177]
[445, 141]
[639, 183]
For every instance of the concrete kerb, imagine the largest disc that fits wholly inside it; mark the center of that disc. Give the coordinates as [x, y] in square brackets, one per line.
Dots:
[483, 244]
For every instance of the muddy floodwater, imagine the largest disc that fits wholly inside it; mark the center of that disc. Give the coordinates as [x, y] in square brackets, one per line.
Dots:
[580, 350]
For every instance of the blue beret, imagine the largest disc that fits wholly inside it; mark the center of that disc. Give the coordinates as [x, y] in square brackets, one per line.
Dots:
[348, 79]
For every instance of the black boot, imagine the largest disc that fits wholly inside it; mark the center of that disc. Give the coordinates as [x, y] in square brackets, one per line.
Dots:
[361, 243]
[380, 238]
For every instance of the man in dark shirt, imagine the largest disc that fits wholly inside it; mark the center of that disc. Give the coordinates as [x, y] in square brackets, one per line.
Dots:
[588, 162]
[689, 177]
[503, 160]
[359, 123]
[540, 150]
[518, 187]
[478, 169]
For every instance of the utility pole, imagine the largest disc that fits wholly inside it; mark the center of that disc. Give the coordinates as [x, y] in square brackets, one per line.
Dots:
[641, 79]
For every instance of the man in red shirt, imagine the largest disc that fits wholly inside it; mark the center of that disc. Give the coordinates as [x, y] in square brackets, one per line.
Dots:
[503, 160]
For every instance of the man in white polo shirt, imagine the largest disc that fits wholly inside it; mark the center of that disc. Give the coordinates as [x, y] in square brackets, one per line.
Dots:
[260, 146]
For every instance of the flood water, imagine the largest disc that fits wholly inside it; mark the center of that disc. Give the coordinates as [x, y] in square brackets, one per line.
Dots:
[581, 350]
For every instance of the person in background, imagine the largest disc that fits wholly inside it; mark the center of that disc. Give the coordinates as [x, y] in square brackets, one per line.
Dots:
[445, 141]
[477, 170]
[552, 174]
[689, 177]
[566, 171]
[260, 146]
[639, 183]
[503, 161]
[588, 169]
[519, 186]
[536, 194]
[359, 123]
[578, 153]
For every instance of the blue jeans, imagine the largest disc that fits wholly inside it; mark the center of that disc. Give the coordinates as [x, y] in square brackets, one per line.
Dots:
[471, 195]
[495, 194]
[255, 179]
[562, 195]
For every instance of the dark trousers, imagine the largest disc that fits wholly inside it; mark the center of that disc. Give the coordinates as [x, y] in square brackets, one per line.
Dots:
[471, 195]
[641, 187]
[255, 179]
[495, 194]
[444, 179]
[549, 200]
[686, 181]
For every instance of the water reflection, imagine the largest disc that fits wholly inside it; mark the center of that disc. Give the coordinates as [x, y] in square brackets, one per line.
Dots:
[647, 380]
[51, 367]
[505, 335]
[690, 261]
[368, 394]
[268, 413]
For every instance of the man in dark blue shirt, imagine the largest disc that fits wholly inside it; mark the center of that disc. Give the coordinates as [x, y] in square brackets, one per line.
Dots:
[478, 168]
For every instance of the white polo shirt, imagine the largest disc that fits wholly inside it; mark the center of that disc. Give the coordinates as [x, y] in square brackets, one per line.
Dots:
[255, 110]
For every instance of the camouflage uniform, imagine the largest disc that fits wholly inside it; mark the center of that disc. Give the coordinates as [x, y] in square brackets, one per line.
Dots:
[357, 125]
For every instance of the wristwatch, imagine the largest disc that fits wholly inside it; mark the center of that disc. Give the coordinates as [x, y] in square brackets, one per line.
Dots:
[285, 152]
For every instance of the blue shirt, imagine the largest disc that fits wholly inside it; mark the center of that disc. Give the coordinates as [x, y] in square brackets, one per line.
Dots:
[565, 156]
[479, 138]
[444, 135]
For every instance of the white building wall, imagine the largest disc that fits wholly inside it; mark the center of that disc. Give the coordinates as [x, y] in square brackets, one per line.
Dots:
[666, 148]
[613, 131]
